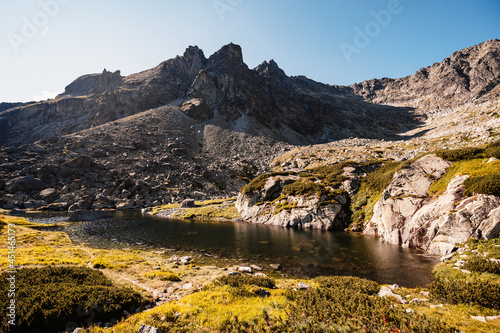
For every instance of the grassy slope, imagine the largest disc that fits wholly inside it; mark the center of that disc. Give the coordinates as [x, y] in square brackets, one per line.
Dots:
[218, 209]
[212, 308]
[473, 168]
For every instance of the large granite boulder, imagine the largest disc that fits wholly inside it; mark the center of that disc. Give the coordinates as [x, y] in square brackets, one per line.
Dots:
[406, 215]
[269, 206]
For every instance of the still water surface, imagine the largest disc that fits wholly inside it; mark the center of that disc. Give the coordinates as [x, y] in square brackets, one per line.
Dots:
[300, 252]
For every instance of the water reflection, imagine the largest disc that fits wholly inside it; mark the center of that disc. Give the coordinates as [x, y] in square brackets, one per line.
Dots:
[300, 252]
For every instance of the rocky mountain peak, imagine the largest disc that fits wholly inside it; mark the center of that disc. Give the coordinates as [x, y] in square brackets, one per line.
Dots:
[93, 84]
[270, 69]
[228, 59]
[194, 56]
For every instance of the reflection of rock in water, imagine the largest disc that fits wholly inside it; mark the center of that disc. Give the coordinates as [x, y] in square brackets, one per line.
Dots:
[306, 254]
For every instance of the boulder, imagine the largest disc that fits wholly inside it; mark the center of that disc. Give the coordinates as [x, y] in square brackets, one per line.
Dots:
[262, 293]
[404, 195]
[304, 211]
[188, 203]
[148, 329]
[79, 162]
[57, 206]
[245, 269]
[303, 286]
[25, 184]
[89, 215]
[39, 203]
[405, 215]
[196, 108]
[387, 292]
[48, 193]
[275, 266]
[128, 204]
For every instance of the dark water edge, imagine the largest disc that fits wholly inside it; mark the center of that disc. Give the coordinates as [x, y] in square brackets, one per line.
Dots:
[301, 253]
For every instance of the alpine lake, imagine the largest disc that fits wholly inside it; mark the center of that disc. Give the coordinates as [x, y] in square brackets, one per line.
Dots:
[300, 253]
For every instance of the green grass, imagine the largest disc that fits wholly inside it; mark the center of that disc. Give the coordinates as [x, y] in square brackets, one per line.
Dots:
[473, 168]
[163, 276]
[210, 212]
[217, 209]
[371, 188]
[258, 183]
[487, 184]
[285, 205]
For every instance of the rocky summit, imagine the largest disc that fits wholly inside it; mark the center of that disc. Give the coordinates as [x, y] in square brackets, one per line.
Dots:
[296, 152]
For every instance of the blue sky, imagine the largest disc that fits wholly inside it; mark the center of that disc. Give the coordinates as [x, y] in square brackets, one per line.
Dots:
[46, 44]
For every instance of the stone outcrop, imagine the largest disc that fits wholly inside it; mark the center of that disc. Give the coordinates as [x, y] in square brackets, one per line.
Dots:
[93, 84]
[405, 214]
[466, 76]
[269, 206]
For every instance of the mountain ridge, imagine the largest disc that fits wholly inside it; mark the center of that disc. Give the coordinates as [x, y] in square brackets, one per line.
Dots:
[218, 124]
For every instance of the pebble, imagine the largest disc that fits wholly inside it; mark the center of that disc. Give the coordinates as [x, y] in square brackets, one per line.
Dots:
[275, 266]
[245, 269]
[432, 306]
[479, 318]
[302, 285]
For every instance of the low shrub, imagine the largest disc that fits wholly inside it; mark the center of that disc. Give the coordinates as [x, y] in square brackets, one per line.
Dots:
[258, 183]
[493, 149]
[482, 265]
[53, 299]
[348, 304]
[241, 280]
[349, 282]
[470, 153]
[455, 287]
[488, 184]
[372, 186]
[331, 175]
[302, 188]
[460, 154]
